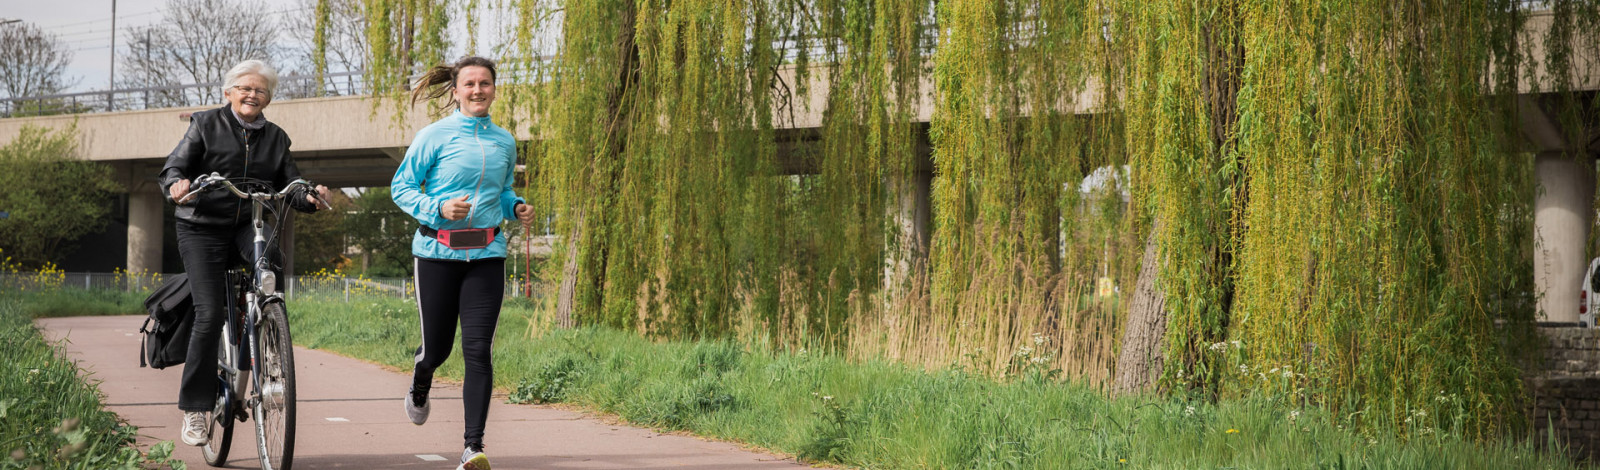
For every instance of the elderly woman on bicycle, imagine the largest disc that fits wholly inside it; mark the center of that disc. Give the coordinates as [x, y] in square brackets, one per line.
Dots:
[237, 142]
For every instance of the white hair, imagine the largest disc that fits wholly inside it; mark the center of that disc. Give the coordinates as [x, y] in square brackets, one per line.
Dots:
[250, 67]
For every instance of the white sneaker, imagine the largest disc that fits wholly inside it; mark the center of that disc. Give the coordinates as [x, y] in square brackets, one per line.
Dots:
[417, 414]
[473, 459]
[196, 428]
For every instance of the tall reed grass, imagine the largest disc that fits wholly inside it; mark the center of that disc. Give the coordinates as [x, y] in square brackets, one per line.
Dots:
[874, 413]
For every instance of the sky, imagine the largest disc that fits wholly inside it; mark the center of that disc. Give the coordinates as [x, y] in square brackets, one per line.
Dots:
[85, 26]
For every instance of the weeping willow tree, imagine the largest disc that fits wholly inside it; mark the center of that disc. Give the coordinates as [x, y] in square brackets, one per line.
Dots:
[1354, 219]
[1022, 110]
[1330, 192]
[1388, 207]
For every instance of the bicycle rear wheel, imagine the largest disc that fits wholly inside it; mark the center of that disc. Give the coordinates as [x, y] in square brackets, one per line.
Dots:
[275, 410]
[221, 428]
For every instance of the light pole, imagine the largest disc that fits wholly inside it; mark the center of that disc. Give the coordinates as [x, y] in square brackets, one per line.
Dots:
[111, 87]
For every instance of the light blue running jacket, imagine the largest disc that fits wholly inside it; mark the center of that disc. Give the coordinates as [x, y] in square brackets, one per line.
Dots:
[455, 156]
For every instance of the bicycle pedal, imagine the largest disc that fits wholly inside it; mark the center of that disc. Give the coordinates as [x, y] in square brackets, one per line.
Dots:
[243, 415]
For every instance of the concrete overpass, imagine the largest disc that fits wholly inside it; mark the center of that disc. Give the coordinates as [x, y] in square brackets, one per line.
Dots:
[341, 142]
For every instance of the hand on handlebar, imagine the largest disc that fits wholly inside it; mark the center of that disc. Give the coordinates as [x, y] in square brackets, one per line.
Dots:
[319, 198]
[178, 190]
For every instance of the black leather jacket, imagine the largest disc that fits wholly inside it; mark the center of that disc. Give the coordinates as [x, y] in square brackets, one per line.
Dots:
[216, 142]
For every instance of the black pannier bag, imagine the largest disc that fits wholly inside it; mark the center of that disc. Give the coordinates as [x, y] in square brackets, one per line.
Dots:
[166, 330]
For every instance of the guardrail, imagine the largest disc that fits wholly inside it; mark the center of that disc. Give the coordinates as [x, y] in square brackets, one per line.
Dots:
[174, 96]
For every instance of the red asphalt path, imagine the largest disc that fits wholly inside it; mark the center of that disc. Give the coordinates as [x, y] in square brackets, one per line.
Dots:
[351, 416]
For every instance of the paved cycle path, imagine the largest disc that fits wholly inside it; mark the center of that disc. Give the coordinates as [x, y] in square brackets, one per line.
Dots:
[351, 416]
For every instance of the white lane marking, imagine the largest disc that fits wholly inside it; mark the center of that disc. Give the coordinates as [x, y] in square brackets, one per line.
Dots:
[339, 420]
[430, 458]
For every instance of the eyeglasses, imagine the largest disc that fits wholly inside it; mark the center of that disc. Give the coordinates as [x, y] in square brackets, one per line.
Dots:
[252, 91]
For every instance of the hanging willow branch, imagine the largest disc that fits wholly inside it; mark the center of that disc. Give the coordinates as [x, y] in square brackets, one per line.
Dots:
[1338, 189]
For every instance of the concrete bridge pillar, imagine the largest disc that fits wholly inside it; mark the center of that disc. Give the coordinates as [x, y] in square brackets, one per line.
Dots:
[910, 218]
[145, 229]
[1563, 213]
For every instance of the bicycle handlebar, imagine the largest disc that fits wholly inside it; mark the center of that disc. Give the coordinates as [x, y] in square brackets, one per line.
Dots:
[206, 182]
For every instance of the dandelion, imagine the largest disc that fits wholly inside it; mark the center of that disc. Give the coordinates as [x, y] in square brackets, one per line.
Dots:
[1122, 460]
[1232, 431]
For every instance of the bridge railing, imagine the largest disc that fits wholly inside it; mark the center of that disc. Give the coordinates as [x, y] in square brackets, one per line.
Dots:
[171, 96]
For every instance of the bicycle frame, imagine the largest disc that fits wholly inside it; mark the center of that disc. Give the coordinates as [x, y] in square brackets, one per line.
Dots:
[261, 291]
[251, 314]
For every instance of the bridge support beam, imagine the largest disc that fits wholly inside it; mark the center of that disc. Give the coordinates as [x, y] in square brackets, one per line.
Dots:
[1563, 213]
[145, 230]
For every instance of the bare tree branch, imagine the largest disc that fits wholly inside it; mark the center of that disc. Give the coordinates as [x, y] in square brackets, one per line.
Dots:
[32, 62]
[197, 41]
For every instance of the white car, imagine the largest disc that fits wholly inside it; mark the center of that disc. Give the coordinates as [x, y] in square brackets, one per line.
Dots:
[1588, 302]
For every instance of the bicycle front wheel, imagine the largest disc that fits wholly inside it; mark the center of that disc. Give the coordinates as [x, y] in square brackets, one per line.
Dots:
[275, 407]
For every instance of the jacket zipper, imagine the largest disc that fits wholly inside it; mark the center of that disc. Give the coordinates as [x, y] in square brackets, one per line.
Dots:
[238, 205]
[483, 167]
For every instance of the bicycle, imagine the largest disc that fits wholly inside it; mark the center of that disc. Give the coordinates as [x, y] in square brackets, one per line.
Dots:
[256, 326]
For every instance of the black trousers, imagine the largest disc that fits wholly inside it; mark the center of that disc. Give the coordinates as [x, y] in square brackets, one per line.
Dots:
[469, 293]
[208, 251]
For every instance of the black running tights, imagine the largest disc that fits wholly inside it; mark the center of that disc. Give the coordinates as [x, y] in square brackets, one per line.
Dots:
[468, 292]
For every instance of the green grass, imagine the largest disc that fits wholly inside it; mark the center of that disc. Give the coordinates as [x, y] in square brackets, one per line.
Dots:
[74, 302]
[879, 415]
[49, 416]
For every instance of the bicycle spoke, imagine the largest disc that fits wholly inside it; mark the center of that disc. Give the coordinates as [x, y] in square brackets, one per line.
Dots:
[275, 394]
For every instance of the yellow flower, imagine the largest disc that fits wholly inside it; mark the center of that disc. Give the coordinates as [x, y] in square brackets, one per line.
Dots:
[1233, 431]
[1122, 460]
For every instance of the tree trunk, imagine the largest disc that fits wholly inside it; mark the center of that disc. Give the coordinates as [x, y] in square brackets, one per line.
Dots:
[618, 119]
[1142, 357]
[569, 276]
